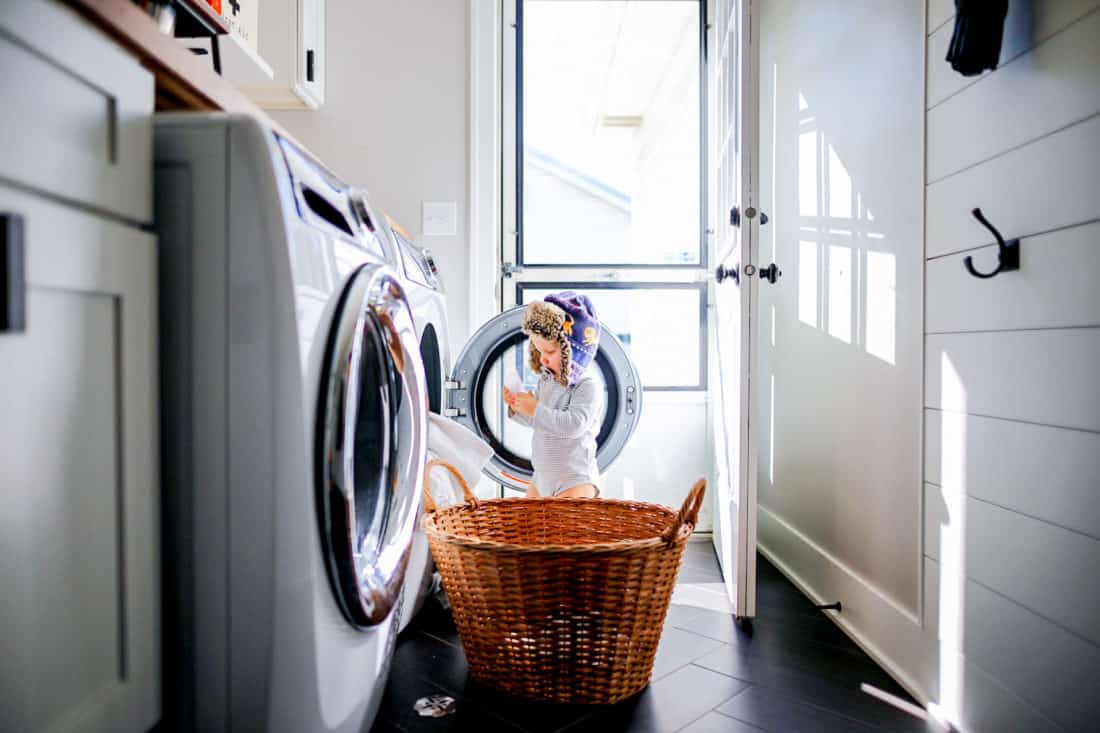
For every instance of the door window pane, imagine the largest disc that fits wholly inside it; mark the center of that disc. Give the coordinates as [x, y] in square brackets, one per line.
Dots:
[662, 327]
[611, 133]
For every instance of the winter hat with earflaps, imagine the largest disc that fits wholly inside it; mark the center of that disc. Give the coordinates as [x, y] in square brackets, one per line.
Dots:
[569, 319]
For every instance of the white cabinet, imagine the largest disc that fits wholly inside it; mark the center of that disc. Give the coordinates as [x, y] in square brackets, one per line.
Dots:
[79, 526]
[76, 117]
[292, 42]
[79, 490]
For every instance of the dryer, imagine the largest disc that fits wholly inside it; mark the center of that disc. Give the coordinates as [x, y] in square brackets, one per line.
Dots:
[429, 306]
[424, 289]
[294, 435]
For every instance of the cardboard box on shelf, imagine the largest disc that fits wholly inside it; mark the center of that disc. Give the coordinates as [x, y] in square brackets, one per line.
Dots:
[243, 19]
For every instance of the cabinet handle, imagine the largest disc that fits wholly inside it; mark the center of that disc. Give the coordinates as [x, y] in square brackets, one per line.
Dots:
[13, 280]
[309, 65]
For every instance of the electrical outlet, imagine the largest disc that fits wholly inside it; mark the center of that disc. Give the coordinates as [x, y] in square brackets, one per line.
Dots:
[439, 218]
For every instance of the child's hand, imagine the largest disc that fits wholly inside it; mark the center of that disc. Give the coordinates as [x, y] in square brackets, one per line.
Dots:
[510, 398]
[524, 403]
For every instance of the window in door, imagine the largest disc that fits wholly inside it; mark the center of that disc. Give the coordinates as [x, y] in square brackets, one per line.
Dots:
[607, 141]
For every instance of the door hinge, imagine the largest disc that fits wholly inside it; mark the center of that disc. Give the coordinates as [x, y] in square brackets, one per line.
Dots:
[507, 269]
[455, 398]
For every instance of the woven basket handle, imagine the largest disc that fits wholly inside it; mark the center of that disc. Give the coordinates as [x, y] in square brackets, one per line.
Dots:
[689, 512]
[429, 502]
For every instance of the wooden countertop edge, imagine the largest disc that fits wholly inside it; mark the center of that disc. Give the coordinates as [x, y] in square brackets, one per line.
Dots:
[180, 75]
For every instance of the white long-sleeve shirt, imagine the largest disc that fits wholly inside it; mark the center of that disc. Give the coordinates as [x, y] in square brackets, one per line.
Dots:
[565, 424]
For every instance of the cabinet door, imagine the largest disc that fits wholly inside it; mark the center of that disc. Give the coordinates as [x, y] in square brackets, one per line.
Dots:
[77, 111]
[311, 56]
[79, 517]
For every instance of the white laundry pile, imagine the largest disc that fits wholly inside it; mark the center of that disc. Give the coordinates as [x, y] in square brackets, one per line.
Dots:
[451, 442]
[457, 445]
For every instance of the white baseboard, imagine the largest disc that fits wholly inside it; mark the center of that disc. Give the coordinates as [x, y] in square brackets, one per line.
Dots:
[889, 634]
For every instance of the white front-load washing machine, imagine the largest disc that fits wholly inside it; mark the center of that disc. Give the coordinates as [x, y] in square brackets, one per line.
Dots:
[473, 395]
[294, 435]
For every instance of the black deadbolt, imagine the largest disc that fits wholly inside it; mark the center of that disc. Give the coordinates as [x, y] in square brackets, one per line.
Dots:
[733, 273]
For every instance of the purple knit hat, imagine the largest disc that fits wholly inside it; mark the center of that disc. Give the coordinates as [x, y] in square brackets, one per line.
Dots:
[582, 329]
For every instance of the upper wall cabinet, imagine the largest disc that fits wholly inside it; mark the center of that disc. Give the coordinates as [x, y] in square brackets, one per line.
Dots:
[291, 40]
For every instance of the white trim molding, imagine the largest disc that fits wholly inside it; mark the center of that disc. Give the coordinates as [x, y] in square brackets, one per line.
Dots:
[891, 635]
[485, 160]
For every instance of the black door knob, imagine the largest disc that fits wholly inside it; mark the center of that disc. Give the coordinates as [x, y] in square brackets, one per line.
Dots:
[771, 273]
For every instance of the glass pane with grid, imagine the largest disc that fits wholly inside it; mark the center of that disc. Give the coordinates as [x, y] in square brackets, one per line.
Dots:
[610, 152]
[663, 327]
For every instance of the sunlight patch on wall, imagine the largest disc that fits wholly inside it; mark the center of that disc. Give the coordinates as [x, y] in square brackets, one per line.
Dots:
[840, 188]
[807, 174]
[952, 544]
[807, 283]
[853, 295]
[771, 435]
[840, 293]
[881, 305]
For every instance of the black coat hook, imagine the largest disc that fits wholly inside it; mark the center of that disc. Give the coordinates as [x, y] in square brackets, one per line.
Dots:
[1008, 253]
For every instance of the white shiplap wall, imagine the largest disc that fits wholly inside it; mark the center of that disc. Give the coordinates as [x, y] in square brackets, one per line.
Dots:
[1012, 372]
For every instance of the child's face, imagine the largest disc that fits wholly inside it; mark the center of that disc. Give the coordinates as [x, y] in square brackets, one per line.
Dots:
[549, 354]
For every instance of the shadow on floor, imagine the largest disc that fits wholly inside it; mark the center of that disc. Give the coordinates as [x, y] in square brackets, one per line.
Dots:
[796, 671]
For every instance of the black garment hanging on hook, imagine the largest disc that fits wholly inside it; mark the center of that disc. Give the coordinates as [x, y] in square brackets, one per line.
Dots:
[979, 28]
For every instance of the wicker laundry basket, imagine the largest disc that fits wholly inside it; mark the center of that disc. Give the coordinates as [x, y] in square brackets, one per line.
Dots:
[559, 600]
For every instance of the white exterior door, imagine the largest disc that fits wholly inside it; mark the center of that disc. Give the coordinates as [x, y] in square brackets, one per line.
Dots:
[604, 192]
[734, 92]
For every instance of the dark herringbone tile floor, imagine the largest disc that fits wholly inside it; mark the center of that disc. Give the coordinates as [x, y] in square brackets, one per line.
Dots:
[796, 671]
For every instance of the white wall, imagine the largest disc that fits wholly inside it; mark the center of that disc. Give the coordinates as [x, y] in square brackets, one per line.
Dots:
[840, 362]
[1012, 396]
[1004, 634]
[396, 119]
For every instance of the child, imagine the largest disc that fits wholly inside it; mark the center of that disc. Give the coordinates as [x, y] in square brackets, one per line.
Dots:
[565, 409]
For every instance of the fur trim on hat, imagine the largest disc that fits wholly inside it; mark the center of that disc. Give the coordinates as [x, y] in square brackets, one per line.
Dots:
[547, 321]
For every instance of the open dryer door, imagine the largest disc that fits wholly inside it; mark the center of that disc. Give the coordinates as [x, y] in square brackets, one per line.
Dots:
[474, 397]
[370, 444]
